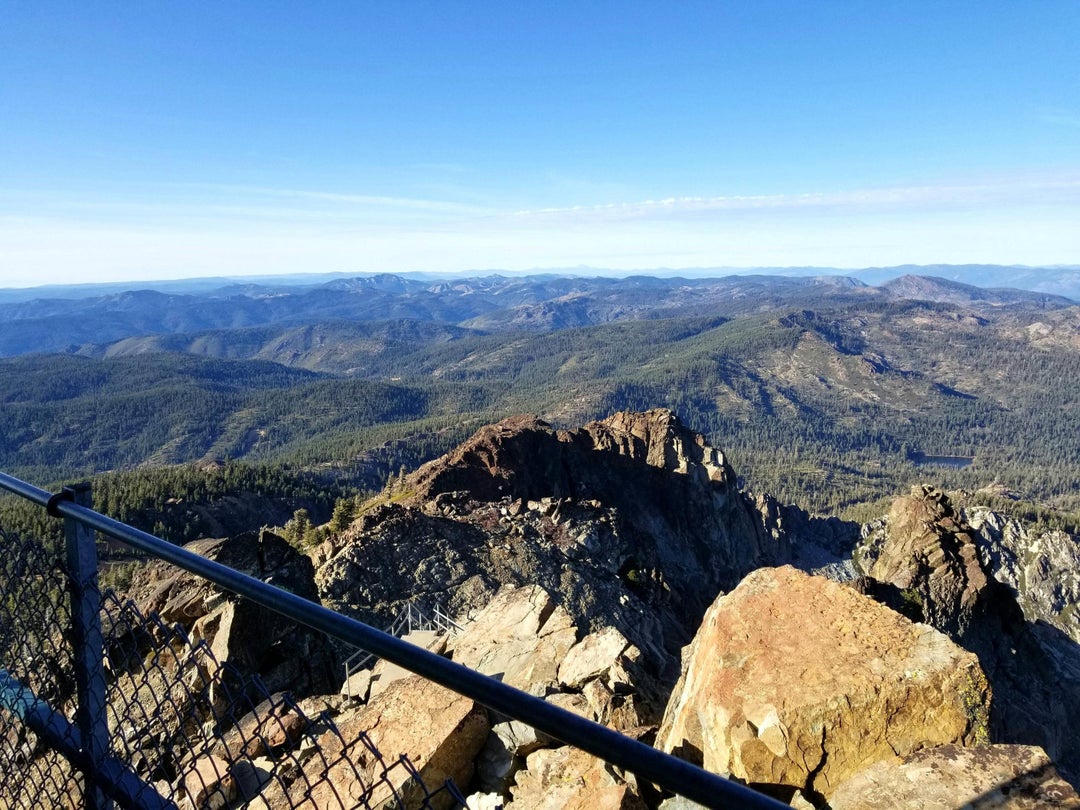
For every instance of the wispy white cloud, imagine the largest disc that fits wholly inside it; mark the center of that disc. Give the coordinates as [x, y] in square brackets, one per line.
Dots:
[229, 204]
[357, 200]
[223, 207]
[239, 230]
[1029, 190]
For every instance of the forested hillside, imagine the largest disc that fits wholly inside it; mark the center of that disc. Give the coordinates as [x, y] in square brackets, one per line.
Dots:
[829, 406]
[490, 303]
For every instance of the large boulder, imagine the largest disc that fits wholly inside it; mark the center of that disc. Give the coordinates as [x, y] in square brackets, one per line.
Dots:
[439, 731]
[1011, 777]
[520, 638]
[799, 681]
[209, 785]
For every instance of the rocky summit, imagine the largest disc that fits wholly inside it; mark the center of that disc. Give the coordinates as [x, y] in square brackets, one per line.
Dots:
[925, 659]
[633, 522]
[664, 481]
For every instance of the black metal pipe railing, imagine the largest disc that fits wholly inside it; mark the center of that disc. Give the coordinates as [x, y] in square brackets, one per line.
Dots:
[69, 740]
[647, 763]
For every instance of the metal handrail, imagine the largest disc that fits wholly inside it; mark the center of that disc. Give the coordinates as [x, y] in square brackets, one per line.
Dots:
[65, 737]
[352, 665]
[649, 764]
[403, 621]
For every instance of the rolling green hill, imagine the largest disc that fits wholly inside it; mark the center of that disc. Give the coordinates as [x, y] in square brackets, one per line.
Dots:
[830, 406]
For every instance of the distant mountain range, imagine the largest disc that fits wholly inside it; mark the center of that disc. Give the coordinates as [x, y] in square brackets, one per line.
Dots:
[829, 390]
[59, 320]
[1061, 280]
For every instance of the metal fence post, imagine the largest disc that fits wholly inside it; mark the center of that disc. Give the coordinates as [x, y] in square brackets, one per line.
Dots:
[91, 717]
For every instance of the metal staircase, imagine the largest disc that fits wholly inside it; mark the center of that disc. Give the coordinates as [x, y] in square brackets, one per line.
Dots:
[411, 618]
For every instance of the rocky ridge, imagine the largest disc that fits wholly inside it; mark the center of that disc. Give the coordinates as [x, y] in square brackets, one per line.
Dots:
[580, 562]
[926, 561]
[640, 497]
[632, 522]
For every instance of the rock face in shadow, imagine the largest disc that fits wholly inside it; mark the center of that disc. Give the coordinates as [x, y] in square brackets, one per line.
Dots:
[925, 560]
[817, 544]
[800, 681]
[632, 522]
[1014, 777]
[237, 631]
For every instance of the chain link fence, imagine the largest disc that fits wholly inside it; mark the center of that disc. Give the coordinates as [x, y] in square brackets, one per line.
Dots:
[183, 730]
[102, 705]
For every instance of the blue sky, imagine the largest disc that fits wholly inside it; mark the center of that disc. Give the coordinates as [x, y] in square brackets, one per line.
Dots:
[164, 140]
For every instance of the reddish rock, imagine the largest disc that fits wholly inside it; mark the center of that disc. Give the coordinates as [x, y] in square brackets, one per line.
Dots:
[800, 681]
[568, 779]
[439, 731]
[1011, 777]
[209, 785]
[273, 724]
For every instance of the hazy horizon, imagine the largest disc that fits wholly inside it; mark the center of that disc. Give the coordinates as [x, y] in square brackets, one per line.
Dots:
[870, 275]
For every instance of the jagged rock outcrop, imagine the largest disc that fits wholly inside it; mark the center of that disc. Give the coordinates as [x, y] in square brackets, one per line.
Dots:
[459, 562]
[800, 681]
[238, 632]
[924, 560]
[930, 557]
[632, 522]
[1042, 569]
[1015, 777]
[665, 482]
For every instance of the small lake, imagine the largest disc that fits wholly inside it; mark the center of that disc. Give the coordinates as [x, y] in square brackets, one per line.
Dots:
[955, 462]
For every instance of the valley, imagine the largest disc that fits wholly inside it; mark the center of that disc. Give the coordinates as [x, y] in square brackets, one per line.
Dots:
[827, 393]
[607, 487]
